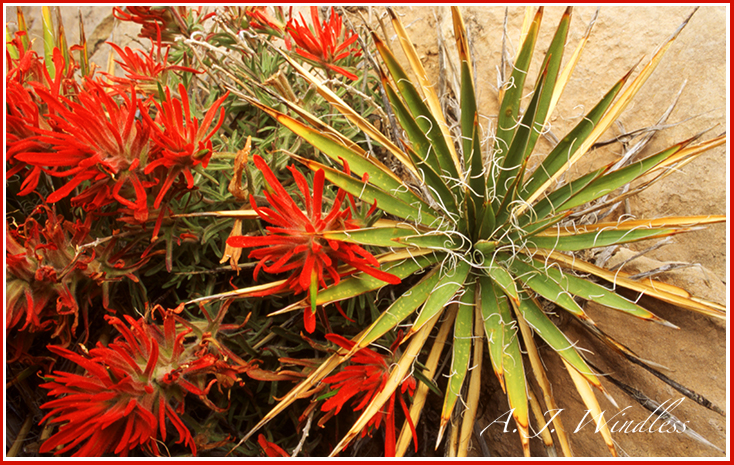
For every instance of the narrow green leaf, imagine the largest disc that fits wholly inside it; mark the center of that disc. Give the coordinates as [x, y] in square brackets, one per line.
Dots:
[49, 42]
[554, 337]
[513, 370]
[517, 235]
[573, 242]
[616, 179]
[422, 156]
[393, 237]
[594, 292]
[451, 281]
[422, 115]
[471, 141]
[550, 204]
[461, 351]
[510, 106]
[552, 62]
[501, 277]
[545, 286]
[369, 193]
[359, 164]
[403, 307]
[569, 144]
[493, 323]
[513, 164]
[488, 224]
[361, 283]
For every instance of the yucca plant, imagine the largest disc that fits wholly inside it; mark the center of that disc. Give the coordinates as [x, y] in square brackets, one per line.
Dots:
[491, 239]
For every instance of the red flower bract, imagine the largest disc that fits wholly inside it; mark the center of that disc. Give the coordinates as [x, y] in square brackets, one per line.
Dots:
[330, 44]
[271, 449]
[295, 242]
[364, 378]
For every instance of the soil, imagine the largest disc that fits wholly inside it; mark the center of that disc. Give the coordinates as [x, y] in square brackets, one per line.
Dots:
[696, 354]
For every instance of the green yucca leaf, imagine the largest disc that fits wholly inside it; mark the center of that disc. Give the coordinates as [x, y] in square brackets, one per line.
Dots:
[49, 40]
[472, 145]
[534, 228]
[545, 286]
[514, 372]
[359, 164]
[450, 282]
[570, 143]
[426, 86]
[616, 179]
[488, 222]
[501, 277]
[510, 106]
[661, 291]
[361, 283]
[582, 241]
[421, 154]
[550, 333]
[596, 293]
[551, 203]
[350, 113]
[440, 158]
[514, 162]
[551, 62]
[403, 307]
[460, 355]
[494, 324]
[394, 237]
[370, 194]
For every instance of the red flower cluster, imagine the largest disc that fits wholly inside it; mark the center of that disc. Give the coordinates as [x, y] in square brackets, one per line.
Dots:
[261, 20]
[330, 44]
[145, 70]
[51, 279]
[110, 146]
[363, 379]
[132, 388]
[295, 244]
[162, 23]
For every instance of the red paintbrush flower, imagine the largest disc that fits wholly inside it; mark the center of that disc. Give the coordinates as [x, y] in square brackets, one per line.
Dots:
[295, 242]
[363, 379]
[131, 389]
[94, 139]
[51, 278]
[157, 22]
[263, 21]
[162, 22]
[145, 70]
[330, 44]
[183, 142]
